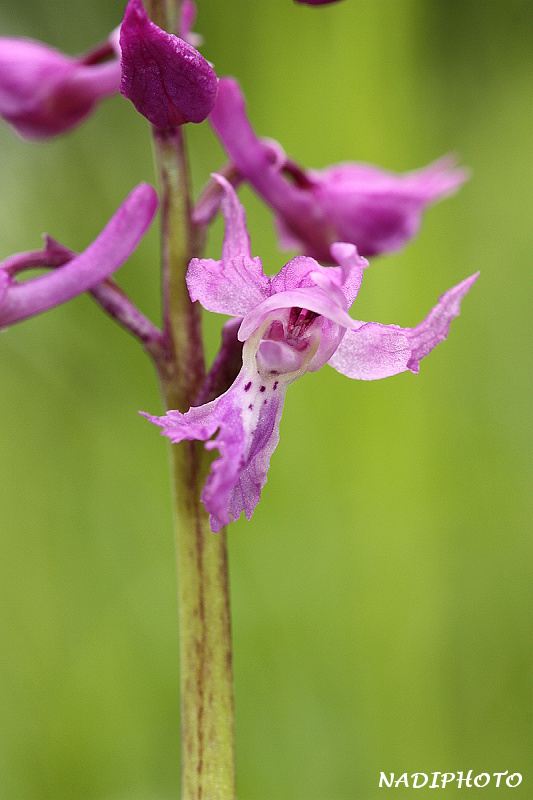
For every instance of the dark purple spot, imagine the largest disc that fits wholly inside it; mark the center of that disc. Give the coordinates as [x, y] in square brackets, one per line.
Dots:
[251, 406]
[247, 386]
[265, 401]
[275, 386]
[262, 388]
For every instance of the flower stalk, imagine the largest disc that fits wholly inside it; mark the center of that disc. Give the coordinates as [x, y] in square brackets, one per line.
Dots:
[206, 676]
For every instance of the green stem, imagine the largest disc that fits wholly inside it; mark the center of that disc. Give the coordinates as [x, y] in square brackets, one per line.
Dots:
[208, 762]
[207, 718]
[206, 677]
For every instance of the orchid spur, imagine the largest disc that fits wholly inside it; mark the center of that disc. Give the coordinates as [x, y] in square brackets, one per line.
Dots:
[290, 324]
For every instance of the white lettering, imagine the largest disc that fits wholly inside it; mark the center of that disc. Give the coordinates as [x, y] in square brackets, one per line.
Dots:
[383, 780]
[499, 775]
[421, 779]
[460, 779]
[415, 775]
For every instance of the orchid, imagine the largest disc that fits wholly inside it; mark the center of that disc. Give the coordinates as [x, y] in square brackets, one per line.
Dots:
[376, 210]
[74, 274]
[44, 92]
[280, 327]
[291, 324]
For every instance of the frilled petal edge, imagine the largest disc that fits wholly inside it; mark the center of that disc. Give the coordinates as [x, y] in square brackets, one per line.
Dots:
[246, 422]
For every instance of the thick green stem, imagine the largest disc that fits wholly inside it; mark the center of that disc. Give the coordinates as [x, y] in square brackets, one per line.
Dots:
[208, 762]
[207, 718]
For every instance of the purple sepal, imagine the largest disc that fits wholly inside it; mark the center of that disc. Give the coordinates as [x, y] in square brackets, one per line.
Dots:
[376, 210]
[235, 284]
[166, 79]
[372, 351]
[44, 92]
[104, 256]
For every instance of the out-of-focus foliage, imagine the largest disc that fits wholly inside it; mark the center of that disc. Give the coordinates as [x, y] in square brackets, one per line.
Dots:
[381, 593]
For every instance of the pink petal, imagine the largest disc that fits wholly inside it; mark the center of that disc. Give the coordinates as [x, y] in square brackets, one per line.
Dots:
[375, 351]
[44, 92]
[236, 284]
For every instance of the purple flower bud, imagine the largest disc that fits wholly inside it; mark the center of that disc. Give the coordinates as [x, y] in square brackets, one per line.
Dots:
[316, 2]
[166, 79]
[44, 92]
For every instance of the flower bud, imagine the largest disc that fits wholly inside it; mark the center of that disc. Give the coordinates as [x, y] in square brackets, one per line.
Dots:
[166, 79]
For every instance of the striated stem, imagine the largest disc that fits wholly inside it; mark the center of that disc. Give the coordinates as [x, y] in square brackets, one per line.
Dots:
[206, 676]
[180, 242]
[208, 762]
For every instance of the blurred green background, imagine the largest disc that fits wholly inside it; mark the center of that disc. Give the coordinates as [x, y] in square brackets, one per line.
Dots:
[381, 592]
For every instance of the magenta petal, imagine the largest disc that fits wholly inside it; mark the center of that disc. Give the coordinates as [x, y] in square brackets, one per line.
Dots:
[374, 351]
[166, 79]
[304, 271]
[380, 211]
[44, 92]
[313, 298]
[247, 420]
[435, 327]
[236, 237]
[236, 284]
[376, 210]
[104, 256]
[4, 281]
[227, 287]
